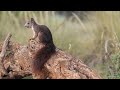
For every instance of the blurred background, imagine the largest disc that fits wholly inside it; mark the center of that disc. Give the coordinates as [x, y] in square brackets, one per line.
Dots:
[92, 36]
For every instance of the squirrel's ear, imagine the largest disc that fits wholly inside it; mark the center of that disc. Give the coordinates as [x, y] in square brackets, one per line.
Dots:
[32, 20]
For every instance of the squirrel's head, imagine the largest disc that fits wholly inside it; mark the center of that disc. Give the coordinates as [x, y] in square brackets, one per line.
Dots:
[30, 23]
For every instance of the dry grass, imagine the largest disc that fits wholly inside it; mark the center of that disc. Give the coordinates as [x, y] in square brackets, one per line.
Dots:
[97, 35]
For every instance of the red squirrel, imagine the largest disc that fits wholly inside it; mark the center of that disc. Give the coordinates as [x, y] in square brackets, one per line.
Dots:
[44, 36]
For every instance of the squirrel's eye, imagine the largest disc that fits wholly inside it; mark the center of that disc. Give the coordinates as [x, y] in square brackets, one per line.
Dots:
[27, 23]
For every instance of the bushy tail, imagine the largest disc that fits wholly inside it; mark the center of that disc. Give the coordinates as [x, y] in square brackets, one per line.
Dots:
[41, 57]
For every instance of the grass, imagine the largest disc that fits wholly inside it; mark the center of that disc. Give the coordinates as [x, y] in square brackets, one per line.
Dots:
[94, 40]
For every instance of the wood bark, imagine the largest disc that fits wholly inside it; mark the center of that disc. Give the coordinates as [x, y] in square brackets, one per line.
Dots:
[17, 63]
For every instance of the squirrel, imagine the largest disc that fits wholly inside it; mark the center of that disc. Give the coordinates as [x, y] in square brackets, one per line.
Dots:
[44, 36]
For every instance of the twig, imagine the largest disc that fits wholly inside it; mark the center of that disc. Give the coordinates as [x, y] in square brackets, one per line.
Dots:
[2, 54]
[5, 45]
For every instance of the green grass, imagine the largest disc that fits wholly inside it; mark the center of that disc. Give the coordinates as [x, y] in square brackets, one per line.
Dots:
[89, 40]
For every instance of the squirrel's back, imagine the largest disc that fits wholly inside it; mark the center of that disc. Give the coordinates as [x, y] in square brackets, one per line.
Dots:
[44, 34]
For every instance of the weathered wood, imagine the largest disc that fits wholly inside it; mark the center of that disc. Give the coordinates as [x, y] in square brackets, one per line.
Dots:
[2, 55]
[61, 65]
[4, 47]
[17, 64]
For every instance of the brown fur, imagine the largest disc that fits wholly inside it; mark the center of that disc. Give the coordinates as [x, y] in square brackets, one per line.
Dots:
[44, 36]
[41, 57]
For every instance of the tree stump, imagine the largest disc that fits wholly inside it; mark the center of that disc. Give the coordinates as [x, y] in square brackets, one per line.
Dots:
[61, 65]
[15, 61]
